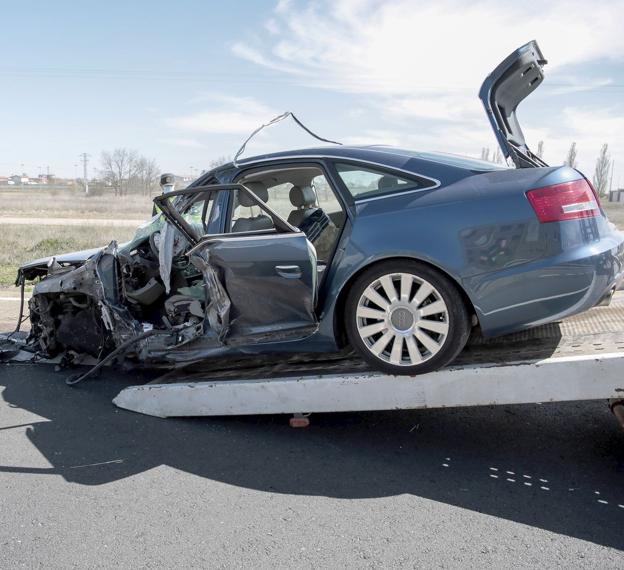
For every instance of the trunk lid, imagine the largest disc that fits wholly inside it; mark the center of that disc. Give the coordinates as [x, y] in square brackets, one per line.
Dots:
[513, 80]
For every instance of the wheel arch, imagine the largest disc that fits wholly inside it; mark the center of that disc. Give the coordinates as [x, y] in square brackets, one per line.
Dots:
[339, 311]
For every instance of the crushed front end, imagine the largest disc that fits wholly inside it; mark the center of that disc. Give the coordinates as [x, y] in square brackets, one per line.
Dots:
[106, 306]
[79, 308]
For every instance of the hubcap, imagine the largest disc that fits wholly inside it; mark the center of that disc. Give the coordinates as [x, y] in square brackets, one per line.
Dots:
[402, 319]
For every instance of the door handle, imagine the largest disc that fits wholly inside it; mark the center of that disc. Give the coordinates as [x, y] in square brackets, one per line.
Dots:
[288, 271]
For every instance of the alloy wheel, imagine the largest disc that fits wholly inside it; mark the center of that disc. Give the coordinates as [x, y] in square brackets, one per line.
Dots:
[402, 319]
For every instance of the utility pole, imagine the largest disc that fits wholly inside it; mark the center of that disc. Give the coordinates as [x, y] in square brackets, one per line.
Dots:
[85, 160]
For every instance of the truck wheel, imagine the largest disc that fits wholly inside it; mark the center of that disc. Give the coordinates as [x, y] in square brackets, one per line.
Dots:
[404, 317]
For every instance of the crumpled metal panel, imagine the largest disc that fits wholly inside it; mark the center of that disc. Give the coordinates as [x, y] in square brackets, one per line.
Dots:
[217, 300]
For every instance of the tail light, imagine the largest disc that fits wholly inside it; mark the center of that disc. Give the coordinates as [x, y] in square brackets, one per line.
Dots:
[566, 201]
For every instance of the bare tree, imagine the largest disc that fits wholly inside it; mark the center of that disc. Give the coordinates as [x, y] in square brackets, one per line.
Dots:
[119, 167]
[498, 156]
[146, 174]
[485, 153]
[152, 172]
[571, 157]
[603, 168]
[540, 149]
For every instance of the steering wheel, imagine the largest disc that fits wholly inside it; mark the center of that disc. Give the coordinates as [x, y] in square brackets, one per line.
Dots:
[179, 246]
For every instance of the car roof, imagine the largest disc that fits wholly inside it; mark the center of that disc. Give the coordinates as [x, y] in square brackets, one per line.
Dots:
[376, 153]
[432, 164]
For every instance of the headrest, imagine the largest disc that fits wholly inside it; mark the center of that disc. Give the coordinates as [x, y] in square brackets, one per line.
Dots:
[387, 181]
[301, 196]
[258, 188]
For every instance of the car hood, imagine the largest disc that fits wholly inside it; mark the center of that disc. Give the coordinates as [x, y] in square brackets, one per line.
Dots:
[513, 80]
[39, 267]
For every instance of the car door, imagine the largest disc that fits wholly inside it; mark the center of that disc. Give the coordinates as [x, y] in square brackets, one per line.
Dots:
[261, 284]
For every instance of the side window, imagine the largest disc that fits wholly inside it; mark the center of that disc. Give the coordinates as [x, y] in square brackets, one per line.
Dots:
[199, 212]
[279, 199]
[367, 183]
[247, 216]
[301, 195]
[325, 195]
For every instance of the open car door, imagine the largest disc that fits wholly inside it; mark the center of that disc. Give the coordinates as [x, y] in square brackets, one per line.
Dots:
[261, 285]
[515, 78]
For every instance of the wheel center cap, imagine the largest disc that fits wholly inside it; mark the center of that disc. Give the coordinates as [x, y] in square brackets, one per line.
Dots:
[402, 319]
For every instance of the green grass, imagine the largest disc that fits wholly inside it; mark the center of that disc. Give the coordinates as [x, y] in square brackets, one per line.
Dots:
[19, 244]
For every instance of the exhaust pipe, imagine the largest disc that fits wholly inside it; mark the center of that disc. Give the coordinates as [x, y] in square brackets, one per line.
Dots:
[617, 407]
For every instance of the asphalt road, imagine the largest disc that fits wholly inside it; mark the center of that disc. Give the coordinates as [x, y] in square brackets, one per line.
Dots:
[83, 484]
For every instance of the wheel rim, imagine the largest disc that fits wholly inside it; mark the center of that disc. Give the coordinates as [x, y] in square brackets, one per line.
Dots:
[402, 319]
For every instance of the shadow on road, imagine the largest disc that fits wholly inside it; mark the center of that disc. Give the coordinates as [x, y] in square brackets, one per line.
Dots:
[548, 466]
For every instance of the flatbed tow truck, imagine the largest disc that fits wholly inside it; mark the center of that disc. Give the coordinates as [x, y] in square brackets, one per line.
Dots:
[580, 358]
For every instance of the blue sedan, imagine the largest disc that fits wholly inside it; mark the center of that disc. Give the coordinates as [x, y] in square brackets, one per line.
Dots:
[400, 254]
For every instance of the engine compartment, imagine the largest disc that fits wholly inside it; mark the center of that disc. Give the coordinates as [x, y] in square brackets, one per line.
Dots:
[114, 296]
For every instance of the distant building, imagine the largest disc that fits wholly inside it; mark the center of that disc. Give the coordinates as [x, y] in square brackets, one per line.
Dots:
[616, 195]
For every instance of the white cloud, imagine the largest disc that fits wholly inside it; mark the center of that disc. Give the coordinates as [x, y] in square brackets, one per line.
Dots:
[181, 142]
[401, 47]
[418, 65]
[226, 115]
[373, 136]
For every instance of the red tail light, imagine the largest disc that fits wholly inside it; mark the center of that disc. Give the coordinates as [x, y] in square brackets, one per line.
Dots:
[566, 201]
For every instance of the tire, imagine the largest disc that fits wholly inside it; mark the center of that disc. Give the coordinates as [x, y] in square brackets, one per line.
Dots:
[405, 317]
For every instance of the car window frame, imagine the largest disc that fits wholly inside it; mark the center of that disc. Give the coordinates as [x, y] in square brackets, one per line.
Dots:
[322, 165]
[173, 215]
[385, 170]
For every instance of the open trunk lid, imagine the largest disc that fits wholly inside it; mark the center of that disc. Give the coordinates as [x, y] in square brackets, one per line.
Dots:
[515, 78]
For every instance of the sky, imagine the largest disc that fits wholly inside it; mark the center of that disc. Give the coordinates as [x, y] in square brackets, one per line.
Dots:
[185, 82]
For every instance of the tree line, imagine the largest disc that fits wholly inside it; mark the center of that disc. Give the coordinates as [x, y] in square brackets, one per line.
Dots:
[603, 172]
[126, 171]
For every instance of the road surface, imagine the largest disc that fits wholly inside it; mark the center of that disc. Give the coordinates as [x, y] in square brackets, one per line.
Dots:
[54, 221]
[83, 484]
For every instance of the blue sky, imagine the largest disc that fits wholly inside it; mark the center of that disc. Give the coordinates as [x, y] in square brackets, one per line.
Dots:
[184, 82]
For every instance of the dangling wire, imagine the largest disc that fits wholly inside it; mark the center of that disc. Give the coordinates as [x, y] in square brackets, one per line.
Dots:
[21, 319]
[277, 119]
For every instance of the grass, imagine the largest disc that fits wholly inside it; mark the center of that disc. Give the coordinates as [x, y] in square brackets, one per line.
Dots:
[19, 244]
[72, 204]
[615, 213]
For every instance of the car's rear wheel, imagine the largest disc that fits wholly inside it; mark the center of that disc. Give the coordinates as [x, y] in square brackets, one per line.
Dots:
[404, 317]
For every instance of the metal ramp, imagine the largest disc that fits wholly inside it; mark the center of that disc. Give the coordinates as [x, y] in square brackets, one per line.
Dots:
[581, 358]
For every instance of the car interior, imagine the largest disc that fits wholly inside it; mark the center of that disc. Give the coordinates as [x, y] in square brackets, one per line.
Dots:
[300, 195]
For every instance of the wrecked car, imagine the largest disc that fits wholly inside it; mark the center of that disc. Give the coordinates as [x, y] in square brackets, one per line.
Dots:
[396, 252]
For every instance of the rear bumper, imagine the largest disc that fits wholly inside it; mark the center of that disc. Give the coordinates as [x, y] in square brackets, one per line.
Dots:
[548, 290]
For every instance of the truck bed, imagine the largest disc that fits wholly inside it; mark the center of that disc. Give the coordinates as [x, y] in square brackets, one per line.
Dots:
[575, 359]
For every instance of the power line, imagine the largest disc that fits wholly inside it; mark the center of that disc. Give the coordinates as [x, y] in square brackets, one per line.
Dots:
[265, 76]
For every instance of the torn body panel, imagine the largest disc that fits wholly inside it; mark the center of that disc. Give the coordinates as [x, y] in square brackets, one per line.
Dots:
[230, 292]
[80, 308]
[270, 280]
